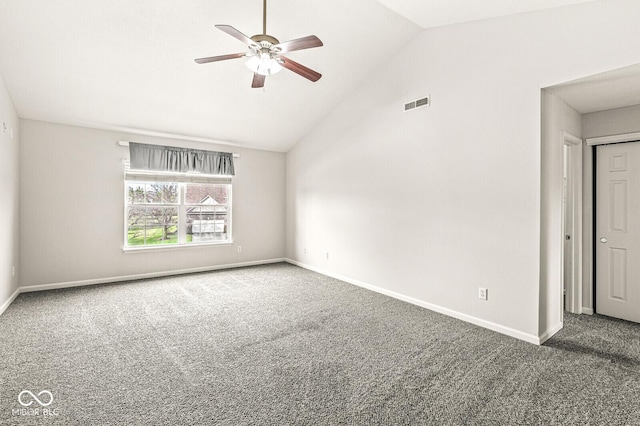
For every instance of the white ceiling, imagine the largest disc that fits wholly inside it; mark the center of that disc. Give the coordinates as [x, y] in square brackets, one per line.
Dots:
[128, 65]
[614, 89]
[433, 13]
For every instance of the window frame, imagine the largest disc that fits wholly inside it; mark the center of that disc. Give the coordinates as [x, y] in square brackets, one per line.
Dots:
[181, 180]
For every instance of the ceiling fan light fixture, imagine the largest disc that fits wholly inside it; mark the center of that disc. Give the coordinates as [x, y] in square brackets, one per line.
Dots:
[263, 64]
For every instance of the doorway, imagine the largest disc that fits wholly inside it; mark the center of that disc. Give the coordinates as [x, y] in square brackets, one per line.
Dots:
[591, 107]
[572, 224]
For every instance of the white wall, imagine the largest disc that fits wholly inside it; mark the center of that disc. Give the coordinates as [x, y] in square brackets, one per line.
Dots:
[611, 122]
[72, 201]
[557, 117]
[9, 209]
[434, 203]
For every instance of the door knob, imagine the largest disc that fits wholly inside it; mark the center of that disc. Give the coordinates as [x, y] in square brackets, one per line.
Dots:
[603, 240]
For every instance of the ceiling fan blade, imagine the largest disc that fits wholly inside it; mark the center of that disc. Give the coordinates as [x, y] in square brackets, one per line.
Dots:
[299, 44]
[299, 69]
[237, 34]
[258, 80]
[220, 58]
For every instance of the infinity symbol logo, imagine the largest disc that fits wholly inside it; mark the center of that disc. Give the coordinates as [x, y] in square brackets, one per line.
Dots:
[26, 392]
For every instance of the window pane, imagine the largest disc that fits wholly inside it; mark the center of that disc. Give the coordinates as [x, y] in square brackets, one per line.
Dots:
[206, 213]
[161, 193]
[207, 223]
[161, 225]
[152, 225]
[135, 193]
[135, 226]
[206, 194]
[170, 194]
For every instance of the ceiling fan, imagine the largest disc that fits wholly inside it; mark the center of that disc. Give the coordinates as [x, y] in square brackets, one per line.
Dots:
[266, 53]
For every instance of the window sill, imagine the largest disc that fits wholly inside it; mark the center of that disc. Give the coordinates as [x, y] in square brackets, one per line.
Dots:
[173, 247]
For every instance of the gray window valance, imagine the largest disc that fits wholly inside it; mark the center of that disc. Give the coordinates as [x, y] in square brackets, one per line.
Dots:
[179, 160]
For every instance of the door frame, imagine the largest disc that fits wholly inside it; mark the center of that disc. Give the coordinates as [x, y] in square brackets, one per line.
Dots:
[590, 209]
[572, 158]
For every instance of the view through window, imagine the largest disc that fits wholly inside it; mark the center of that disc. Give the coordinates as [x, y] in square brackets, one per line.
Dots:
[177, 213]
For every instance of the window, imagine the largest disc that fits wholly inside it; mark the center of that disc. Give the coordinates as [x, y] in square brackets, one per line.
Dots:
[162, 211]
[207, 210]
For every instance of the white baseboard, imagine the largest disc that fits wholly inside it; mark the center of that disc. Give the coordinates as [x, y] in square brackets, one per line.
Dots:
[9, 301]
[69, 284]
[530, 338]
[53, 286]
[587, 311]
[549, 333]
[537, 340]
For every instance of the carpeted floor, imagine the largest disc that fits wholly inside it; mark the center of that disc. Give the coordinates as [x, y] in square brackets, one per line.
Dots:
[282, 345]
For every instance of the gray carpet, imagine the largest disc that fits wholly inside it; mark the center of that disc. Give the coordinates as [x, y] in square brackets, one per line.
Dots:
[281, 345]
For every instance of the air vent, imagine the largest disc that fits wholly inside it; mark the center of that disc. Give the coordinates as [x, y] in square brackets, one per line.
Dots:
[418, 103]
[422, 102]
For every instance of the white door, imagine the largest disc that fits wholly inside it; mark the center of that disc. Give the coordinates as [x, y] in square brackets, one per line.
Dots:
[618, 231]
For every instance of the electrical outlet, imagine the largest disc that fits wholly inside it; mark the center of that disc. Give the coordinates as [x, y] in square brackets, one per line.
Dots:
[483, 293]
[305, 250]
[239, 249]
[13, 271]
[327, 255]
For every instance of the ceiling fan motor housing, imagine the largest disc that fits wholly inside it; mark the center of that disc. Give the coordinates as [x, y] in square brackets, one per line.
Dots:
[260, 38]
[266, 44]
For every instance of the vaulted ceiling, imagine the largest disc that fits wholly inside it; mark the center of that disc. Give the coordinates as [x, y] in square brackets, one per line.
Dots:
[128, 65]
